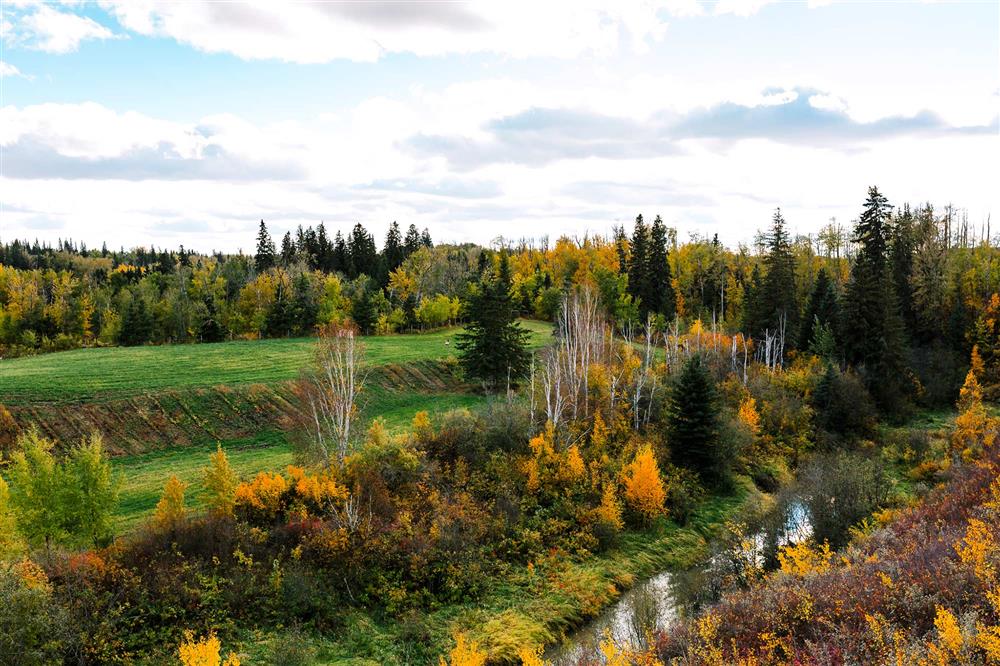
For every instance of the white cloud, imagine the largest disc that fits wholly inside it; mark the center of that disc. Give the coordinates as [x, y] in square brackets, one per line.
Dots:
[306, 32]
[47, 29]
[7, 69]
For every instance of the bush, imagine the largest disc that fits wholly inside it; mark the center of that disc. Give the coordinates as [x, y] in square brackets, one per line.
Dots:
[840, 491]
[31, 625]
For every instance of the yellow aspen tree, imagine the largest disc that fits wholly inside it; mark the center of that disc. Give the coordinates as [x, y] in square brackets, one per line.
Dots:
[748, 414]
[599, 433]
[220, 484]
[170, 511]
[644, 491]
[86, 317]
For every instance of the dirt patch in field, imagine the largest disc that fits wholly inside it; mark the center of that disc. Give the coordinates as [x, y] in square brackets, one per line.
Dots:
[164, 419]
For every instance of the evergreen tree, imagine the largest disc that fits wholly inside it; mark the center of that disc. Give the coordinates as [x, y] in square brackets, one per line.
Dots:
[903, 245]
[287, 250]
[778, 306]
[872, 326]
[137, 323]
[821, 310]
[493, 346]
[425, 238]
[753, 311]
[281, 317]
[341, 260]
[638, 267]
[324, 250]
[361, 249]
[264, 258]
[621, 248]
[363, 311]
[211, 329]
[393, 250]
[412, 241]
[661, 297]
[692, 425]
[305, 309]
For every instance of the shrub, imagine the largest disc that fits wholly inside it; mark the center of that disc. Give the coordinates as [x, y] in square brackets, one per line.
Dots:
[841, 490]
[31, 625]
[644, 491]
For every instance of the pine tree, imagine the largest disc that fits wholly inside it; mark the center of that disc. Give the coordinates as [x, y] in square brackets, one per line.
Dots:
[393, 252]
[281, 317]
[692, 422]
[822, 309]
[305, 309]
[638, 267]
[493, 347]
[412, 241]
[361, 249]
[287, 250]
[341, 259]
[324, 251]
[872, 327]
[137, 323]
[753, 315]
[903, 245]
[264, 258]
[777, 300]
[621, 248]
[660, 295]
[211, 329]
[220, 484]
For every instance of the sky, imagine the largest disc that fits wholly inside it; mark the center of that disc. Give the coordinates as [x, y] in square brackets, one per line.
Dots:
[141, 122]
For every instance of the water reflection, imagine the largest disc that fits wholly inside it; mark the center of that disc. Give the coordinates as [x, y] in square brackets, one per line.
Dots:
[655, 603]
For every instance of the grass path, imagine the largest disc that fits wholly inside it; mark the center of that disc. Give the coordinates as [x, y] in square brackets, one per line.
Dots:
[87, 374]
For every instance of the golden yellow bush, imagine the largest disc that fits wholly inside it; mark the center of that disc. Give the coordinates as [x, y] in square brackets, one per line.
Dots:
[263, 493]
[531, 657]
[610, 509]
[804, 558]
[204, 652]
[465, 653]
[644, 491]
[748, 414]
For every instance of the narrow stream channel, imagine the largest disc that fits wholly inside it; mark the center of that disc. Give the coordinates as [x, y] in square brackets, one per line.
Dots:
[653, 604]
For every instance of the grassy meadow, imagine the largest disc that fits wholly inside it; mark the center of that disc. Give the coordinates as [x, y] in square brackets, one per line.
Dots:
[109, 372]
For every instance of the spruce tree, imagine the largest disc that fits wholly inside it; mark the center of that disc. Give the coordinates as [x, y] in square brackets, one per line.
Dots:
[361, 249]
[412, 241]
[493, 346]
[287, 249]
[638, 267]
[305, 309]
[822, 309]
[621, 248]
[872, 326]
[281, 317]
[340, 260]
[264, 259]
[211, 330]
[137, 323]
[777, 300]
[363, 311]
[662, 299]
[692, 422]
[393, 250]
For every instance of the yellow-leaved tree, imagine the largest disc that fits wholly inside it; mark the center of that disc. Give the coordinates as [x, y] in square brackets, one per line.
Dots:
[220, 484]
[974, 428]
[204, 652]
[170, 511]
[644, 490]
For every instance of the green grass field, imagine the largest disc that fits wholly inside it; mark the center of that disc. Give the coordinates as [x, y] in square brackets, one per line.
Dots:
[85, 374]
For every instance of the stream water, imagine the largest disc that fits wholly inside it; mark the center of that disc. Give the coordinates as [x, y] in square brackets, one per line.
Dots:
[653, 604]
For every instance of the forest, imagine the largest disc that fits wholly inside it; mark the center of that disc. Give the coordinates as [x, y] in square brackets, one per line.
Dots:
[684, 391]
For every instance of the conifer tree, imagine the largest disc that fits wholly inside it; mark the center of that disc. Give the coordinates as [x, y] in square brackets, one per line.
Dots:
[393, 251]
[692, 422]
[341, 260]
[778, 306]
[281, 317]
[412, 241]
[493, 346]
[305, 309]
[638, 267]
[211, 329]
[822, 309]
[621, 248]
[361, 249]
[660, 296]
[872, 326]
[287, 250]
[137, 323]
[264, 259]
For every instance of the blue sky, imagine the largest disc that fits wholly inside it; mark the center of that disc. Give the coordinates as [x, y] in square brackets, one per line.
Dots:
[167, 122]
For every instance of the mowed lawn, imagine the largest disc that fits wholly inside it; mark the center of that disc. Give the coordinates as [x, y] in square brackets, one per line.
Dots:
[120, 371]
